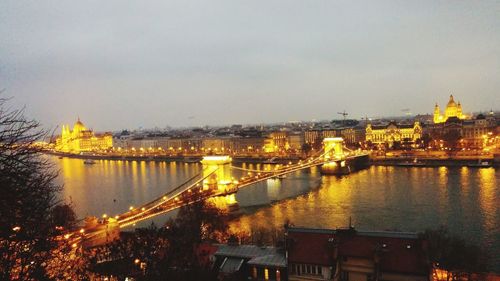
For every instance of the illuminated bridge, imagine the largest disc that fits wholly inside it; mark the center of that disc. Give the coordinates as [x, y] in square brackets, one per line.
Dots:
[215, 180]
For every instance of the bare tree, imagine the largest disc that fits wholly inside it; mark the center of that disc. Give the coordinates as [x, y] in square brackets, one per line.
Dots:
[28, 196]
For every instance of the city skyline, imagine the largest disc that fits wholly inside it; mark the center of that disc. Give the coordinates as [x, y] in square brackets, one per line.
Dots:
[204, 64]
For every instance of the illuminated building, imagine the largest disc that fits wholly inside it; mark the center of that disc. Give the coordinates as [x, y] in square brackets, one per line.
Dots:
[452, 110]
[391, 133]
[245, 144]
[295, 141]
[474, 133]
[216, 144]
[81, 139]
[276, 142]
[317, 136]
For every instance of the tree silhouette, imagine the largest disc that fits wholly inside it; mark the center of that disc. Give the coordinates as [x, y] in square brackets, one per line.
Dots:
[28, 198]
[453, 253]
[451, 139]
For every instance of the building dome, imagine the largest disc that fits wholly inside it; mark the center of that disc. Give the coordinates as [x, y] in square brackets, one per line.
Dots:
[79, 126]
[452, 109]
[451, 102]
[480, 116]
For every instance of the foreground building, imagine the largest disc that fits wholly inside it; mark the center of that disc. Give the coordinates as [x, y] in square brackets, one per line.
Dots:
[328, 254]
[250, 262]
[347, 254]
[81, 139]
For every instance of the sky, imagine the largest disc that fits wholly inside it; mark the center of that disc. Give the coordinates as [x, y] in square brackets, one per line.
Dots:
[120, 64]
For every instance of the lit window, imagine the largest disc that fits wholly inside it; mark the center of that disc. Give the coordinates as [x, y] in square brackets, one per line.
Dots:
[278, 275]
[254, 272]
[266, 274]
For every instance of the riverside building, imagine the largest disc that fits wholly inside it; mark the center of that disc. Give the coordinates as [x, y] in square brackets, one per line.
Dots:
[81, 139]
[393, 133]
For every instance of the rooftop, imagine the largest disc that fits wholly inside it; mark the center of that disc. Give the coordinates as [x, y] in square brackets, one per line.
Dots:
[244, 251]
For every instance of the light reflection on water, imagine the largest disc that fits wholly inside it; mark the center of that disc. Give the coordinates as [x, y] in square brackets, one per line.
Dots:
[380, 198]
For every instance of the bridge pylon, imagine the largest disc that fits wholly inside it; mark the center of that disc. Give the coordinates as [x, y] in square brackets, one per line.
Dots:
[218, 178]
[335, 157]
[334, 148]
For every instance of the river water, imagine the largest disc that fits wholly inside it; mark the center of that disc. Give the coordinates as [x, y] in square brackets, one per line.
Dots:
[465, 200]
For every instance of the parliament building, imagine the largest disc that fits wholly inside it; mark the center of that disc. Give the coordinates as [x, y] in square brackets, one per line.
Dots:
[81, 139]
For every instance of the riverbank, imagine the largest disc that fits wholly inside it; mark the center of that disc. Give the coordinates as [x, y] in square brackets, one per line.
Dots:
[436, 162]
[377, 161]
[176, 158]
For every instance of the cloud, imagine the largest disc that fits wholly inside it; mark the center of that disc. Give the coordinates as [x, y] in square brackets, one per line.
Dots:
[134, 64]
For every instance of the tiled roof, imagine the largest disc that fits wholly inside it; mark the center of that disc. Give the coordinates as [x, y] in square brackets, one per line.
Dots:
[277, 260]
[405, 126]
[244, 251]
[379, 127]
[231, 265]
[393, 234]
[311, 230]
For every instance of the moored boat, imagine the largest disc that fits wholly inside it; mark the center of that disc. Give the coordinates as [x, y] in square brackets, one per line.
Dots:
[414, 163]
[480, 164]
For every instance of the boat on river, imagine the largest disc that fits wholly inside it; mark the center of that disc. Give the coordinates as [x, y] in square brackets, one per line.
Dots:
[270, 161]
[88, 161]
[414, 163]
[480, 164]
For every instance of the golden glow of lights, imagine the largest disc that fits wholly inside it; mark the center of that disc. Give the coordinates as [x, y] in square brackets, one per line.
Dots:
[74, 245]
[81, 139]
[104, 216]
[334, 148]
[231, 199]
[222, 159]
[137, 261]
[452, 110]
[131, 208]
[82, 230]
[16, 228]
[66, 236]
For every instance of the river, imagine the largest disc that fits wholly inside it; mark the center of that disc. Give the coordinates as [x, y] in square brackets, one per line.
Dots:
[465, 200]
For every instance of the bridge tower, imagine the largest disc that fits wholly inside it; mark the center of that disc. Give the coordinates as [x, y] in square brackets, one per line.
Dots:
[334, 148]
[336, 162]
[217, 174]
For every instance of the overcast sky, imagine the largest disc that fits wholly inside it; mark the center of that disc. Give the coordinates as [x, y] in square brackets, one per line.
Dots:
[125, 64]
